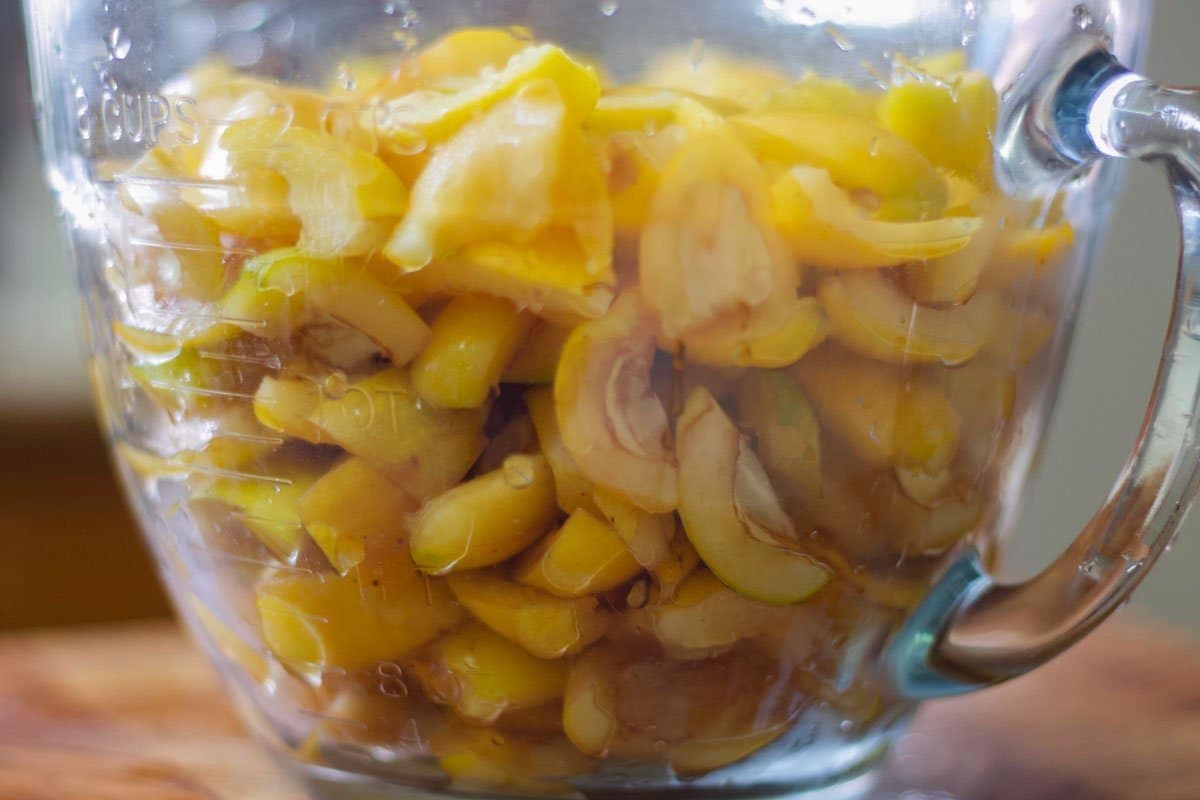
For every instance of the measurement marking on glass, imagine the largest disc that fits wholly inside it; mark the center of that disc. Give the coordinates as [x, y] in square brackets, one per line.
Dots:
[272, 361]
[279, 566]
[196, 390]
[236, 475]
[249, 437]
[190, 247]
[283, 523]
[321, 669]
[155, 180]
[199, 316]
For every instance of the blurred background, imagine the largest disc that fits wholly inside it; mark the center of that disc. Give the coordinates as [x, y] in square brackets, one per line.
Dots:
[68, 549]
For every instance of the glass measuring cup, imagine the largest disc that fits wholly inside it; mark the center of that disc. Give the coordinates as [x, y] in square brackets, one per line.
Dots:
[544, 397]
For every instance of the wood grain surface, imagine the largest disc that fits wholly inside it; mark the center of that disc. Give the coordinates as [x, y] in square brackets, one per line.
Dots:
[133, 713]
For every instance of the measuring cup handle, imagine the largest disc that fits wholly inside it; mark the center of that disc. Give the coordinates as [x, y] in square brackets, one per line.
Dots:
[971, 631]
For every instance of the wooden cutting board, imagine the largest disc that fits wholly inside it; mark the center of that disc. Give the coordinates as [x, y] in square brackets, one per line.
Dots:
[133, 713]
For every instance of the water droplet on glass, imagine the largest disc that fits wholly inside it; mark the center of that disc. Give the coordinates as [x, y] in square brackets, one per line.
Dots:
[409, 17]
[696, 53]
[345, 77]
[839, 37]
[609, 7]
[118, 44]
[873, 151]
[406, 142]
[1094, 567]
[1082, 16]
[846, 725]
[517, 473]
[335, 385]
[1131, 564]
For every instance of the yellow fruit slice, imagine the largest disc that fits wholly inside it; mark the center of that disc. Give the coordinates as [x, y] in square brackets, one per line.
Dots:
[246, 307]
[636, 161]
[314, 622]
[486, 520]
[194, 242]
[720, 747]
[519, 169]
[682, 559]
[346, 199]
[648, 536]
[483, 675]
[287, 405]
[353, 508]
[949, 120]
[548, 276]
[633, 108]
[589, 701]
[536, 359]
[545, 625]
[858, 155]
[787, 434]
[812, 92]
[869, 314]
[708, 250]
[984, 395]
[585, 556]
[270, 509]
[430, 116]
[1023, 255]
[344, 291]
[732, 518]
[705, 616]
[480, 759]
[1019, 334]
[611, 422]
[953, 279]
[230, 643]
[461, 54]
[474, 338]
[573, 490]
[776, 334]
[824, 228]
[196, 380]
[381, 418]
[632, 706]
[887, 417]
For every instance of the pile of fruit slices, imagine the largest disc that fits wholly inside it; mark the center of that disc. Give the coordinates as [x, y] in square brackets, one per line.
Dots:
[598, 415]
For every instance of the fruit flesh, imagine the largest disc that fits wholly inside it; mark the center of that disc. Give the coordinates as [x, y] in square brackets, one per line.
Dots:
[550, 419]
[486, 520]
[726, 533]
